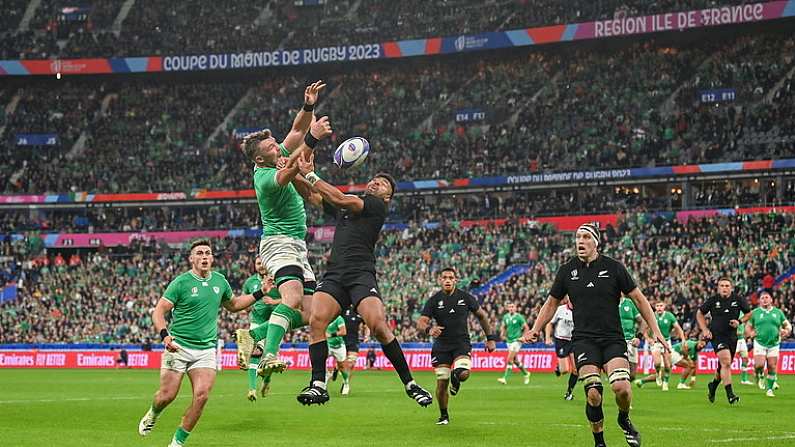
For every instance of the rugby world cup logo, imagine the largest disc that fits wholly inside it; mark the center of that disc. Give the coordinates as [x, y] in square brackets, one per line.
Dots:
[56, 66]
[460, 43]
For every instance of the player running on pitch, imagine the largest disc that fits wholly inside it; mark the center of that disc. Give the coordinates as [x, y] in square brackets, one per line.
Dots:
[353, 322]
[350, 279]
[768, 325]
[666, 321]
[251, 341]
[631, 323]
[742, 351]
[282, 248]
[511, 330]
[335, 337]
[594, 284]
[194, 299]
[563, 322]
[724, 309]
[685, 355]
[451, 356]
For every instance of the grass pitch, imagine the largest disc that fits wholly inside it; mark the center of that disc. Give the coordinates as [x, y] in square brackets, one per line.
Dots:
[102, 407]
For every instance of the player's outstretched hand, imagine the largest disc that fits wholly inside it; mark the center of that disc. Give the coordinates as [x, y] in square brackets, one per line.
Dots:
[491, 346]
[530, 336]
[170, 344]
[267, 286]
[281, 162]
[436, 331]
[321, 128]
[658, 337]
[635, 342]
[312, 91]
[706, 335]
[734, 323]
[305, 166]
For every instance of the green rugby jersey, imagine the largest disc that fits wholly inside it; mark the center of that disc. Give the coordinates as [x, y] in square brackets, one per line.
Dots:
[197, 301]
[281, 207]
[691, 349]
[768, 324]
[260, 312]
[628, 313]
[514, 326]
[335, 326]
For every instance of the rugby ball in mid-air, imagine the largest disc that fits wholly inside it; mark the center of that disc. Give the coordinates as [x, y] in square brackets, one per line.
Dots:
[351, 153]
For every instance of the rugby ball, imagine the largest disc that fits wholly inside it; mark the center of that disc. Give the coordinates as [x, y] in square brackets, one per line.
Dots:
[351, 153]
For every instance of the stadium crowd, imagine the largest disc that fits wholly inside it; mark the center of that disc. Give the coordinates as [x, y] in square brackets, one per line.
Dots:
[572, 110]
[106, 295]
[161, 28]
[434, 208]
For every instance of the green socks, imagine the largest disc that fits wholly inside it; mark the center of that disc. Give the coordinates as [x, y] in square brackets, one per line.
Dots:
[277, 326]
[771, 380]
[259, 333]
[252, 373]
[181, 435]
[155, 411]
[508, 371]
[344, 376]
[666, 375]
[282, 319]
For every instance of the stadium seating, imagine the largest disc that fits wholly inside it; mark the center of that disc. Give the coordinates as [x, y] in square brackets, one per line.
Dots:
[157, 28]
[106, 296]
[545, 111]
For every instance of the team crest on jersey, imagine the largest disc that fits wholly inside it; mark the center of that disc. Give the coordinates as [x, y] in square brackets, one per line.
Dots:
[574, 275]
[194, 291]
[441, 304]
[717, 305]
[217, 290]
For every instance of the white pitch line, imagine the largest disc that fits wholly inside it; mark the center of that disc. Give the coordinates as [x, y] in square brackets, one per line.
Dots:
[763, 438]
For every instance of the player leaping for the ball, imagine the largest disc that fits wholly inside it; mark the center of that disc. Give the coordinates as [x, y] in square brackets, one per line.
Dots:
[282, 248]
[350, 279]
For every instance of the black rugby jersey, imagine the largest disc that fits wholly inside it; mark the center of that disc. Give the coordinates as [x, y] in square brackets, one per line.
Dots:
[722, 311]
[353, 248]
[452, 312]
[595, 290]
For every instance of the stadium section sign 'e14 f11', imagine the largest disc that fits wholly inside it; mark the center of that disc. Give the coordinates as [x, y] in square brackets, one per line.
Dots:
[723, 15]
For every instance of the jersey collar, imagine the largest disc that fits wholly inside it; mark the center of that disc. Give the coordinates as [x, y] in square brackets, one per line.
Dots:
[199, 278]
[589, 264]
